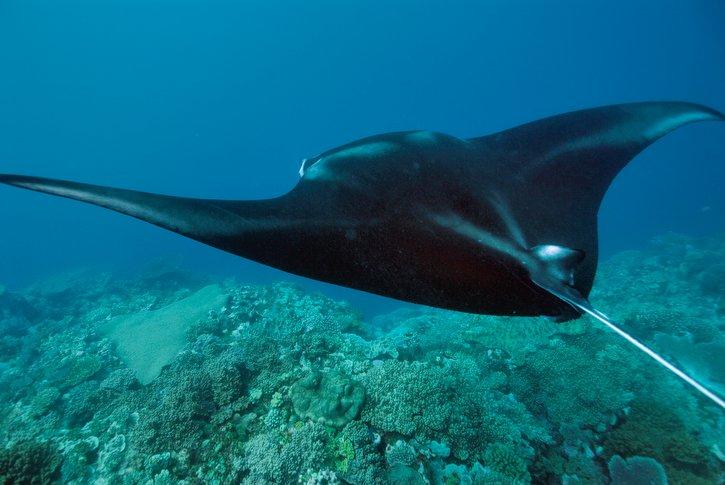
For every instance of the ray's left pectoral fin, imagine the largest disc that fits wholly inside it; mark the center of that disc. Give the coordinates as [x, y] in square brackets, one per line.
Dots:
[554, 278]
[207, 221]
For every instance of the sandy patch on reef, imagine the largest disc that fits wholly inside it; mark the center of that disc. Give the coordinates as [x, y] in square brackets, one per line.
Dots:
[148, 341]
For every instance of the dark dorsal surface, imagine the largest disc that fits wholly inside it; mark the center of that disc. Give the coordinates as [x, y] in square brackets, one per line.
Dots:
[427, 217]
[502, 224]
[560, 167]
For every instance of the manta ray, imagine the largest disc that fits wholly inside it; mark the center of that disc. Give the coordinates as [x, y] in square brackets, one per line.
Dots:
[503, 224]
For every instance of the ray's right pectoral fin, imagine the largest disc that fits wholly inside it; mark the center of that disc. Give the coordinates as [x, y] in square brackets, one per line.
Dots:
[565, 163]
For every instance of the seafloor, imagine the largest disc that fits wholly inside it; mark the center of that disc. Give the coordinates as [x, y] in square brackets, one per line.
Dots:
[170, 377]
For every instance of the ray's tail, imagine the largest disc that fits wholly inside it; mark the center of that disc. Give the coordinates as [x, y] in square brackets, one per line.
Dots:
[660, 360]
[573, 298]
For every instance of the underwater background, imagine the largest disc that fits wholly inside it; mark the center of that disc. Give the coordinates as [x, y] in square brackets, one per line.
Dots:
[132, 355]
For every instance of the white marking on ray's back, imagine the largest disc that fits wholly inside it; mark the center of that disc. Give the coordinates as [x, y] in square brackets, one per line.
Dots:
[461, 226]
[302, 167]
[504, 212]
[672, 122]
[324, 169]
[423, 136]
[371, 149]
[632, 130]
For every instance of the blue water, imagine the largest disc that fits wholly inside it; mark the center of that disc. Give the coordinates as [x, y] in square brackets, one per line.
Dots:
[222, 99]
[157, 377]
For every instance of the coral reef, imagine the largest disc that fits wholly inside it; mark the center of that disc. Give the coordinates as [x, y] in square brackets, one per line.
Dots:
[148, 341]
[168, 377]
[330, 398]
[29, 462]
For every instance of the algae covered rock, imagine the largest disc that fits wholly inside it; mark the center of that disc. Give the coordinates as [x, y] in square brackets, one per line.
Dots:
[148, 341]
[405, 475]
[638, 470]
[331, 398]
[81, 368]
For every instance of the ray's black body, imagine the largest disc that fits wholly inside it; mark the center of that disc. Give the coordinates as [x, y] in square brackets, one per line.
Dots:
[426, 217]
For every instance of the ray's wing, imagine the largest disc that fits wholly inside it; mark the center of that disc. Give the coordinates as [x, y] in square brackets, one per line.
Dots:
[559, 169]
[555, 171]
[214, 222]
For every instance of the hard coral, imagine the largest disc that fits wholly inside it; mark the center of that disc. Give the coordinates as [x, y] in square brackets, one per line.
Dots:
[257, 392]
[29, 462]
[504, 460]
[266, 459]
[408, 396]
[575, 389]
[357, 454]
[400, 453]
[653, 430]
[178, 408]
[331, 398]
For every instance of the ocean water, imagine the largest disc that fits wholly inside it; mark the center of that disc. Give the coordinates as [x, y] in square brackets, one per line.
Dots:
[129, 354]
